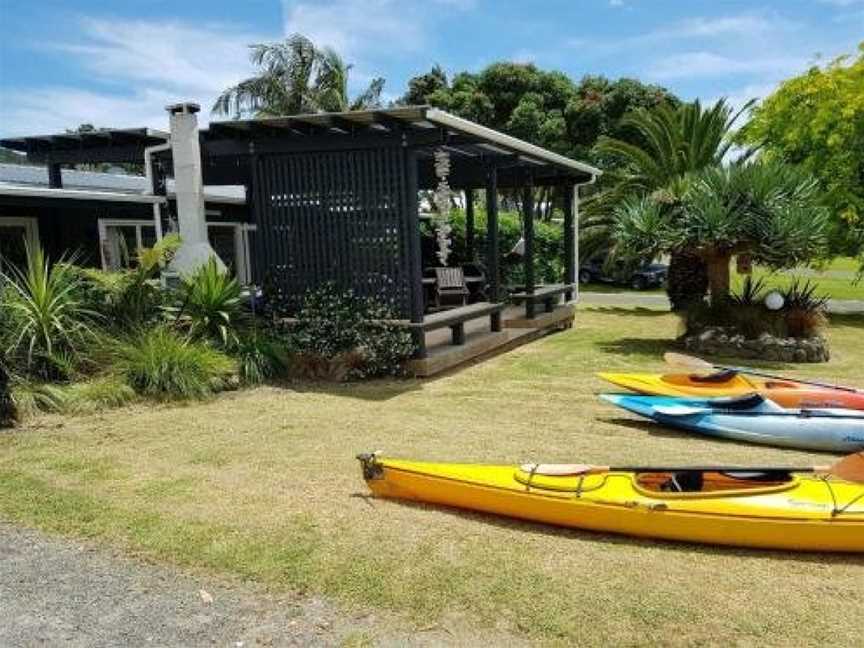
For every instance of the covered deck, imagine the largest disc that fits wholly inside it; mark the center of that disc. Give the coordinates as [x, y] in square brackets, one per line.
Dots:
[336, 198]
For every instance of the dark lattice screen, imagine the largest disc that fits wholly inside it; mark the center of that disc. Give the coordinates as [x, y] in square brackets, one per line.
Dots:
[333, 217]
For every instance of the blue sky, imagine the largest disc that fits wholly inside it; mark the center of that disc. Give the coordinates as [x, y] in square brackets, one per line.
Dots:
[118, 63]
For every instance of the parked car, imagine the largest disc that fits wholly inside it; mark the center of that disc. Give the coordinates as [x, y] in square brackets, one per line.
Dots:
[645, 276]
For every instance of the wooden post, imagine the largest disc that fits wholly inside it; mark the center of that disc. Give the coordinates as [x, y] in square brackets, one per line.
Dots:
[469, 223]
[528, 233]
[569, 240]
[415, 269]
[492, 252]
[55, 176]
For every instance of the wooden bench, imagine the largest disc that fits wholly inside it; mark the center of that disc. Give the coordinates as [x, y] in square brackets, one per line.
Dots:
[546, 295]
[455, 319]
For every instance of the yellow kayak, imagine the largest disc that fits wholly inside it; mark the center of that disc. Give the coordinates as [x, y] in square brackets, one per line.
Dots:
[804, 511]
[787, 393]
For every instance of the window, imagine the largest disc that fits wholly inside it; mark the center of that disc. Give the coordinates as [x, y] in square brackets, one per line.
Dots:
[120, 241]
[14, 233]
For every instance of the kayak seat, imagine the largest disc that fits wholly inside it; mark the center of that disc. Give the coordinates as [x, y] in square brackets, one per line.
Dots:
[684, 482]
[709, 482]
[717, 377]
[746, 402]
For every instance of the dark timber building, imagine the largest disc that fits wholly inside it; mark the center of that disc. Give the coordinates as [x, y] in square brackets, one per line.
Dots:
[335, 198]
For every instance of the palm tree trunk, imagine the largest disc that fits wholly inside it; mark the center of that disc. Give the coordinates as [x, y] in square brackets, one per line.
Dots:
[718, 276]
[687, 279]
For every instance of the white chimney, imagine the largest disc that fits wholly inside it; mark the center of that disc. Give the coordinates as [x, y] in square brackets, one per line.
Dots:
[195, 250]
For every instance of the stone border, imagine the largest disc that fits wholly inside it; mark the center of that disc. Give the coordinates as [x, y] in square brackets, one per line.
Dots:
[721, 341]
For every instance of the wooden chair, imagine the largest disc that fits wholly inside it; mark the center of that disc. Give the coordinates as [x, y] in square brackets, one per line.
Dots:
[450, 286]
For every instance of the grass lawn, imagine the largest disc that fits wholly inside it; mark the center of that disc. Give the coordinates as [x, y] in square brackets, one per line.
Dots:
[262, 484]
[836, 280]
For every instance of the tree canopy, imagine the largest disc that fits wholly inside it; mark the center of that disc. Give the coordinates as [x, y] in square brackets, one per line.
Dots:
[543, 107]
[816, 120]
[769, 210]
[296, 77]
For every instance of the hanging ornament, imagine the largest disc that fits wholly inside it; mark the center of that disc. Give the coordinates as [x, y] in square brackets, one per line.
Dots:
[442, 197]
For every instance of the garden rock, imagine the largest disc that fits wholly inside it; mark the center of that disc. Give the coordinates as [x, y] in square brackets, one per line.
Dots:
[720, 341]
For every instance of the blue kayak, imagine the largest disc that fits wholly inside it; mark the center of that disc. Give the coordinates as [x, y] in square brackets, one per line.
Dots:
[753, 419]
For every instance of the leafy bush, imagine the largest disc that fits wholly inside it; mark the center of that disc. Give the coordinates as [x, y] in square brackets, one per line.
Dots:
[8, 410]
[131, 298]
[548, 246]
[32, 398]
[162, 363]
[339, 335]
[259, 357]
[802, 314]
[804, 310]
[211, 305]
[46, 326]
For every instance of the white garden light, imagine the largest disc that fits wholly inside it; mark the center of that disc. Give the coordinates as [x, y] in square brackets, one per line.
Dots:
[774, 301]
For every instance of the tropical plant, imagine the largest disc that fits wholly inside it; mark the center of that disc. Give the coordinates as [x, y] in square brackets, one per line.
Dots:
[769, 210]
[804, 311]
[259, 358]
[46, 324]
[210, 305]
[131, 298]
[816, 120]
[162, 363]
[671, 143]
[296, 77]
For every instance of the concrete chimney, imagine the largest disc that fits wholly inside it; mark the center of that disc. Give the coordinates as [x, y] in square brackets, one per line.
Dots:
[195, 250]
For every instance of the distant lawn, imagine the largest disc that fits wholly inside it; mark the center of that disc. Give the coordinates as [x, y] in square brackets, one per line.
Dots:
[836, 281]
[262, 484]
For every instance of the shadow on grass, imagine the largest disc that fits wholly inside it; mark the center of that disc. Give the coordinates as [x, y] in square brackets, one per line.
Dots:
[633, 541]
[627, 311]
[638, 346]
[379, 389]
[847, 319]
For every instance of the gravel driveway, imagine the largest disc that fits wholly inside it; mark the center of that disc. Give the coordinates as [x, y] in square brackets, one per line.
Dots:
[61, 592]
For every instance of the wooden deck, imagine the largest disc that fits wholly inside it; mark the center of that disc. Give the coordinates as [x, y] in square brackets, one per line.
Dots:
[481, 342]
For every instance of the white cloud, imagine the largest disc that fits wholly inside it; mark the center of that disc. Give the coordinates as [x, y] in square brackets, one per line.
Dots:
[358, 29]
[616, 3]
[150, 63]
[705, 64]
[842, 3]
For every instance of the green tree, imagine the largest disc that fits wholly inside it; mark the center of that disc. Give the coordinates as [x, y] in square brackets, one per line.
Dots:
[817, 120]
[667, 144]
[296, 77]
[771, 211]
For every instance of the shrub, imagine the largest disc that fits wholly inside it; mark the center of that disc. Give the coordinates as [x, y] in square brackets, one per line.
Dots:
[259, 357]
[802, 315]
[8, 410]
[165, 364]
[211, 305]
[803, 310]
[131, 298]
[32, 398]
[339, 335]
[46, 325]
[548, 245]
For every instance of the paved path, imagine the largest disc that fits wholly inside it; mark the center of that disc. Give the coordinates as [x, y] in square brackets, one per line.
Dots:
[654, 300]
[61, 592]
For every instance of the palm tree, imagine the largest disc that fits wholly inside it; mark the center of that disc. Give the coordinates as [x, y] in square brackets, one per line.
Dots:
[771, 211]
[296, 77]
[676, 141]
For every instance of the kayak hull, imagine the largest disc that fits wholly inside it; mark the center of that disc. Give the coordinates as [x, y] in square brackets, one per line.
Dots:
[792, 517]
[826, 430]
[786, 393]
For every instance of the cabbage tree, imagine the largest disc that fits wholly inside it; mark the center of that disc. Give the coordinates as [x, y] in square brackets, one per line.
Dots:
[768, 210]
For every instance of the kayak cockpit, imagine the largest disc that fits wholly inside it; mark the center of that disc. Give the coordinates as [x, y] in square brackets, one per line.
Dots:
[692, 481]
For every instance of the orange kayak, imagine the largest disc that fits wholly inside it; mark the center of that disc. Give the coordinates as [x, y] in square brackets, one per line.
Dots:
[787, 393]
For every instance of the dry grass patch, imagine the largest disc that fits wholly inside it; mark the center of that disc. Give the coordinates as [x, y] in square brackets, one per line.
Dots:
[263, 484]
